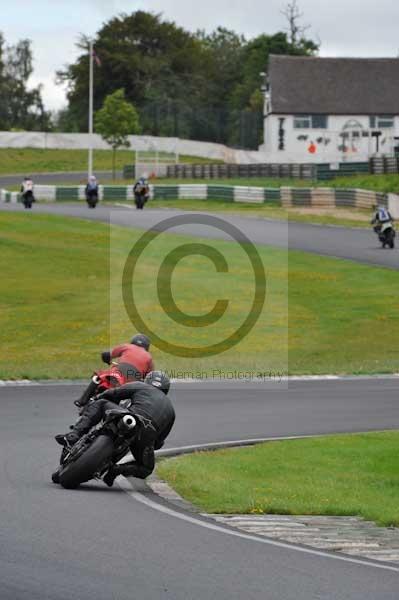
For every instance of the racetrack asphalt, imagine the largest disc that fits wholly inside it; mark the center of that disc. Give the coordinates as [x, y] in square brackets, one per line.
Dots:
[350, 243]
[103, 544]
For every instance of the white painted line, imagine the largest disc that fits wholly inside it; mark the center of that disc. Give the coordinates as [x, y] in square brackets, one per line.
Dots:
[275, 381]
[124, 205]
[17, 382]
[139, 497]
[246, 442]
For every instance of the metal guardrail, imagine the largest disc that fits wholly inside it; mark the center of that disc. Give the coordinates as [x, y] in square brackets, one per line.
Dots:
[325, 172]
[314, 197]
[227, 171]
[321, 172]
[231, 170]
[381, 165]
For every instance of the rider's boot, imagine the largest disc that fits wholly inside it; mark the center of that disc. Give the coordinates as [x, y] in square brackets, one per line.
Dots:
[82, 426]
[67, 439]
[111, 475]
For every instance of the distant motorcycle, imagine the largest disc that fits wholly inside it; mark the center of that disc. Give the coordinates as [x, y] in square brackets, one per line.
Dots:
[28, 199]
[92, 198]
[386, 234]
[141, 194]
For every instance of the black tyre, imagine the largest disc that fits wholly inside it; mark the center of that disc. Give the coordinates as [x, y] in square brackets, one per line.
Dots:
[91, 201]
[55, 477]
[85, 466]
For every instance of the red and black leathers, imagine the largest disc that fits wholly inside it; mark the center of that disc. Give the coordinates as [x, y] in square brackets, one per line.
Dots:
[133, 355]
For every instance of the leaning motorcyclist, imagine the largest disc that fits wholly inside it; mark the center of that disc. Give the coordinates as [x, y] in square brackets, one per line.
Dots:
[154, 413]
[27, 188]
[135, 362]
[381, 216]
[141, 192]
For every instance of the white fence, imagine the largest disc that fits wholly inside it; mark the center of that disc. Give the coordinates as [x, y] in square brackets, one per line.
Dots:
[64, 141]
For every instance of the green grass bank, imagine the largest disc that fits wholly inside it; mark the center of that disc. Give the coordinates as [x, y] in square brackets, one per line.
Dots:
[351, 475]
[28, 161]
[59, 308]
[342, 217]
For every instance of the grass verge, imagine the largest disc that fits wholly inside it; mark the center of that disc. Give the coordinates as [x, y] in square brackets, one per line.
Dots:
[55, 318]
[271, 210]
[378, 183]
[336, 475]
[35, 160]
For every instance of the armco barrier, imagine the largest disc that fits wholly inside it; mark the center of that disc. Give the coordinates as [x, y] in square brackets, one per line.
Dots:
[326, 171]
[228, 171]
[322, 197]
[331, 198]
[379, 165]
[232, 170]
[6, 196]
[311, 171]
[199, 192]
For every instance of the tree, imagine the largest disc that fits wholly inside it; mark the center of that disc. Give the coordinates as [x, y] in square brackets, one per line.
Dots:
[115, 121]
[296, 31]
[202, 86]
[19, 107]
[154, 61]
[225, 51]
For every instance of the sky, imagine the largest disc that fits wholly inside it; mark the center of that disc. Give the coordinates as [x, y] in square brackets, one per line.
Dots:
[357, 28]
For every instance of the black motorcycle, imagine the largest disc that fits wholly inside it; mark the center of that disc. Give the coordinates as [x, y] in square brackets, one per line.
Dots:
[386, 234]
[91, 198]
[141, 196]
[28, 199]
[97, 451]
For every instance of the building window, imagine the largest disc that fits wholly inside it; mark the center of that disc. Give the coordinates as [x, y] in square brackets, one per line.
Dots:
[381, 121]
[302, 122]
[319, 121]
[310, 122]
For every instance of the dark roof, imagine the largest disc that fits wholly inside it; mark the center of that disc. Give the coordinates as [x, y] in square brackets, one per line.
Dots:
[341, 86]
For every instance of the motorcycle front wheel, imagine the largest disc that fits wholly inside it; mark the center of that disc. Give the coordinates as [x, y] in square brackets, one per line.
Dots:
[87, 464]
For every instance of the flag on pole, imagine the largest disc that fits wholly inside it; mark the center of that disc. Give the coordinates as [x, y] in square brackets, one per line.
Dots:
[96, 58]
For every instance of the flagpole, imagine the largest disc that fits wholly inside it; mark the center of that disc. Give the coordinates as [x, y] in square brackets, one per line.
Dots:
[90, 158]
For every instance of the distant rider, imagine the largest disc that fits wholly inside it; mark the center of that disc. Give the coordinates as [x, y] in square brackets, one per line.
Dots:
[381, 216]
[141, 192]
[134, 362]
[27, 188]
[147, 400]
[91, 190]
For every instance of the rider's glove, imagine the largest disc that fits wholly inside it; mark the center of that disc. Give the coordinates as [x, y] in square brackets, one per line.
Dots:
[106, 357]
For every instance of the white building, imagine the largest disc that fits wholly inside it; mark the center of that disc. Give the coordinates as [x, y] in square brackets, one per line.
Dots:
[330, 110]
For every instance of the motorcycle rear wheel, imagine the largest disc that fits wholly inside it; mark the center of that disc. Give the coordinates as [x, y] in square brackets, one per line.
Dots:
[87, 464]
